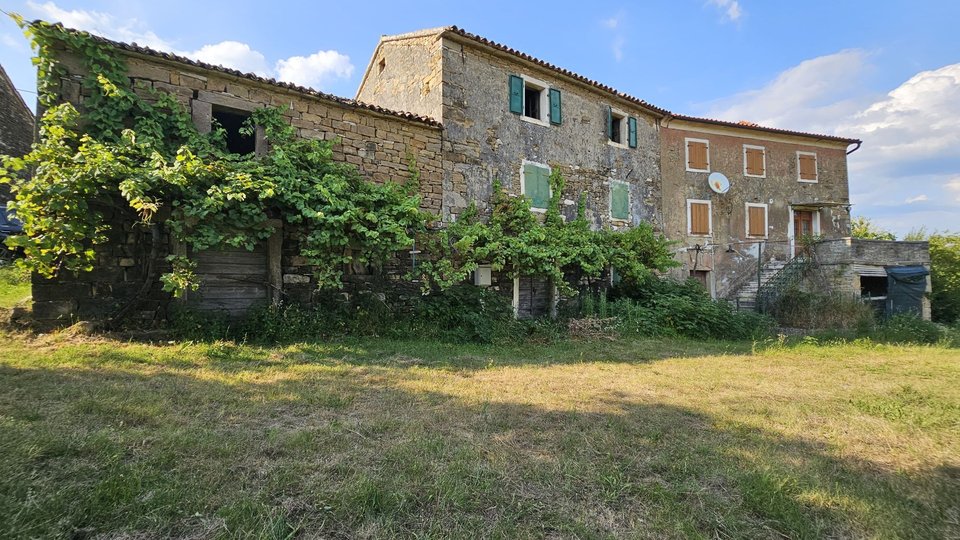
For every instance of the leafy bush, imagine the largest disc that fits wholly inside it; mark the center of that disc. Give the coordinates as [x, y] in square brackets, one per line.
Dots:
[909, 329]
[662, 307]
[800, 309]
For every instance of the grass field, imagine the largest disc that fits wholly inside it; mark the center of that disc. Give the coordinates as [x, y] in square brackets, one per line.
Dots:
[14, 285]
[644, 439]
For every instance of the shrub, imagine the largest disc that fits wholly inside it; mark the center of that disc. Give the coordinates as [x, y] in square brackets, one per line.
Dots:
[909, 329]
[662, 307]
[800, 309]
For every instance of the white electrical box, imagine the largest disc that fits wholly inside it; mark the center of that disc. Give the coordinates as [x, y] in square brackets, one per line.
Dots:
[482, 276]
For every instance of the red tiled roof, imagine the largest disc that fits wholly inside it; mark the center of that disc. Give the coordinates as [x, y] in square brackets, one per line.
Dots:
[644, 104]
[133, 47]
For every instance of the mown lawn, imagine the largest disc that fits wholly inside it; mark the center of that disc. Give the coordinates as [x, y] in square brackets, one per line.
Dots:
[645, 439]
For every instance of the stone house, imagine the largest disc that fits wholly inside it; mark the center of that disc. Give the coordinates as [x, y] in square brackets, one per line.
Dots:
[474, 113]
[16, 123]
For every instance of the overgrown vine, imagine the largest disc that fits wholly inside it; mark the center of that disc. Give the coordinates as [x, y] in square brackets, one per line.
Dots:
[136, 156]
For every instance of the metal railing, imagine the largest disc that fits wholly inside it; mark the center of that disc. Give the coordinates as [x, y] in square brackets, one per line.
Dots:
[788, 276]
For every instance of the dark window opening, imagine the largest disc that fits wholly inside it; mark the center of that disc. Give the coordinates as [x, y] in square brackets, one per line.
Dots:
[231, 122]
[531, 102]
[382, 65]
[615, 124]
[873, 286]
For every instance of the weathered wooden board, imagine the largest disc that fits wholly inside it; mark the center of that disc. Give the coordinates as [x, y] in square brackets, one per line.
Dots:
[535, 297]
[232, 280]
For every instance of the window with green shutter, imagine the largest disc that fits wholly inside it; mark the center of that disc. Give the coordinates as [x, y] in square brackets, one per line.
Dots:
[619, 200]
[536, 185]
[632, 132]
[556, 114]
[516, 94]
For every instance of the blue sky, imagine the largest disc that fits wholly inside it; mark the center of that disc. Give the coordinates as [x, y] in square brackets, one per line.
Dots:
[887, 72]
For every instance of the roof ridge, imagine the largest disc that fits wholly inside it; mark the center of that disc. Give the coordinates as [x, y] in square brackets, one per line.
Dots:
[139, 49]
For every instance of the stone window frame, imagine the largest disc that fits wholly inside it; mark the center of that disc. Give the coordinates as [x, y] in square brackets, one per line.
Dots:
[816, 167]
[752, 147]
[686, 153]
[544, 100]
[766, 219]
[709, 204]
[624, 117]
[610, 201]
[523, 184]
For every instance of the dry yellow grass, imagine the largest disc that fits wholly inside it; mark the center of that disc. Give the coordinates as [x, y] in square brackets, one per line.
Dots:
[643, 439]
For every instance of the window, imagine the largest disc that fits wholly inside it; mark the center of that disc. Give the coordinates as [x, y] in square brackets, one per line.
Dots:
[806, 166]
[698, 155]
[754, 161]
[619, 200]
[534, 101]
[757, 220]
[699, 220]
[621, 129]
[231, 121]
[535, 184]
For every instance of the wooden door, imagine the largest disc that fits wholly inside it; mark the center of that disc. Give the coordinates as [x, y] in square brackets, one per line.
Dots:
[802, 228]
[232, 280]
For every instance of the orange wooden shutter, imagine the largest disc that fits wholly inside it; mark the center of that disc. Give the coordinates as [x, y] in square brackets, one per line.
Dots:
[808, 167]
[758, 220]
[697, 155]
[755, 161]
[699, 218]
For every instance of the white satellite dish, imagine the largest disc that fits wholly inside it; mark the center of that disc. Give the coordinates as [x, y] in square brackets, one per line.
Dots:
[718, 183]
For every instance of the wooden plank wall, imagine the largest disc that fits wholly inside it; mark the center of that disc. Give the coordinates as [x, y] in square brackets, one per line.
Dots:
[232, 280]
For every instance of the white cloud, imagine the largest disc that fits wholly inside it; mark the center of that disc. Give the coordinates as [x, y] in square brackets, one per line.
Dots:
[909, 134]
[316, 69]
[13, 43]
[954, 186]
[810, 94]
[614, 27]
[233, 54]
[104, 24]
[731, 9]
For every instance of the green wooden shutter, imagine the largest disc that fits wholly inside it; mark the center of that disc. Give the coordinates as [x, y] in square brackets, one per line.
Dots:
[619, 200]
[516, 94]
[556, 115]
[536, 185]
[609, 123]
[632, 132]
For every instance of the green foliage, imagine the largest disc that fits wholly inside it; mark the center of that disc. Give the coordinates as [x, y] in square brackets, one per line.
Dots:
[908, 329]
[800, 309]
[945, 277]
[663, 307]
[862, 227]
[144, 158]
[513, 240]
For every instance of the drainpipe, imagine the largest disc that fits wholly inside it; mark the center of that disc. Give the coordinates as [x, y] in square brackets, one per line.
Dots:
[855, 148]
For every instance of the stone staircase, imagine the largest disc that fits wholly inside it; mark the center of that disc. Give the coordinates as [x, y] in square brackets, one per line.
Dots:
[746, 297]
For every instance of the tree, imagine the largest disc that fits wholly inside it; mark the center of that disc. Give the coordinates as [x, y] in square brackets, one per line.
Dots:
[862, 227]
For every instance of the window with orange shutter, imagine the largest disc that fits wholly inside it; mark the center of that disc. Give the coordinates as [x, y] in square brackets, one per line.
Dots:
[754, 162]
[699, 217]
[698, 155]
[756, 220]
[807, 166]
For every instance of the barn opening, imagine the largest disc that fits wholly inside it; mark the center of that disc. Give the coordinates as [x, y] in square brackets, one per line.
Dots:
[231, 121]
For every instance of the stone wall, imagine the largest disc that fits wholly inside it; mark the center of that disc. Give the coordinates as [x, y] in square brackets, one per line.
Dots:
[379, 143]
[404, 74]
[16, 124]
[729, 253]
[484, 142]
